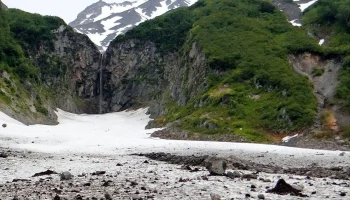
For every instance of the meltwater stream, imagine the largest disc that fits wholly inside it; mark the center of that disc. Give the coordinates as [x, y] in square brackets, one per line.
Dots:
[102, 56]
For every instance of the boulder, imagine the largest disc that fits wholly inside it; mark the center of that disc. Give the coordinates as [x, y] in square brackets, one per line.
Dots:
[66, 176]
[215, 196]
[216, 167]
[233, 174]
[283, 188]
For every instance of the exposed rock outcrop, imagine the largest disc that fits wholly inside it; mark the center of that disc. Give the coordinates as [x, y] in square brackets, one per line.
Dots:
[137, 74]
[323, 73]
[3, 6]
[71, 69]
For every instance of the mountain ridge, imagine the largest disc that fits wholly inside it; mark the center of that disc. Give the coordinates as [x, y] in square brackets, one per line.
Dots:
[102, 21]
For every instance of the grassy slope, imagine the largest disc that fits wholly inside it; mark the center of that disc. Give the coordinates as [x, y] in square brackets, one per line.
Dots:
[253, 89]
[19, 32]
[332, 18]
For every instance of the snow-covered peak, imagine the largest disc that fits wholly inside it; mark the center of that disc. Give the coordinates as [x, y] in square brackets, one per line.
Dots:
[102, 21]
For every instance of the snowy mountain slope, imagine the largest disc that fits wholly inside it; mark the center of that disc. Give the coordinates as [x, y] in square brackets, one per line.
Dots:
[294, 9]
[102, 21]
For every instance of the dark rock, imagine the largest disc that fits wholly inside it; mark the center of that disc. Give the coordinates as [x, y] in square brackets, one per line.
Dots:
[216, 167]
[87, 184]
[283, 188]
[215, 196]
[343, 194]
[45, 173]
[4, 125]
[108, 196]
[66, 176]
[261, 196]
[146, 162]
[247, 195]
[57, 197]
[119, 165]
[133, 183]
[20, 180]
[233, 174]
[250, 176]
[97, 173]
[314, 192]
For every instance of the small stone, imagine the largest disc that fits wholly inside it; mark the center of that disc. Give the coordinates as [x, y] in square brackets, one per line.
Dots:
[108, 196]
[4, 125]
[261, 196]
[342, 154]
[247, 195]
[215, 196]
[233, 174]
[314, 192]
[57, 197]
[343, 194]
[66, 176]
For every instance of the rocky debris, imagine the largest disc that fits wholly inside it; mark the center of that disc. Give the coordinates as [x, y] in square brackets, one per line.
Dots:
[3, 155]
[215, 196]
[66, 176]
[283, 188]
[250, 176]
[98, 173]
[45, 173]
[239, 164]
[233, 175]
[108, 196]
[216, 167]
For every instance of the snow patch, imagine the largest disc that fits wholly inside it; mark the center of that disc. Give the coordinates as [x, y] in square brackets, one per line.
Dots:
[294, 23]
[304, 6]
[321, 42]
[286, 139]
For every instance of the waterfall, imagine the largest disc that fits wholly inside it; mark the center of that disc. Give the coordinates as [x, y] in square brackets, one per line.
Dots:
[101, 86]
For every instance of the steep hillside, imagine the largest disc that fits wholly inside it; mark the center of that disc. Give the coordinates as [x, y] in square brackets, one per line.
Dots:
[329, 21]
[218, 68]
[45, 65]
[102, 21]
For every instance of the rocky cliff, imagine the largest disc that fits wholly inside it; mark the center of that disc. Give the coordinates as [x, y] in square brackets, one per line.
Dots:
[137, 74]
[46, 65]
[71, 70]
[3, 6]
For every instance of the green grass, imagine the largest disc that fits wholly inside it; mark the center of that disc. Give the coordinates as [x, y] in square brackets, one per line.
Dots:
[246, 44]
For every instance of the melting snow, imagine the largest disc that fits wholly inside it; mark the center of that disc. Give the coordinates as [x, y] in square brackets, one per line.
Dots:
[118, 133]
[304, 6]
[286, 139]
[295, 23]
[321, 42]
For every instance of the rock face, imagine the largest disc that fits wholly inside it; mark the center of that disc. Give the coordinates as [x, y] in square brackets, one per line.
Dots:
[71, 69]
[323, 73]
[3, 6]
[136, 74]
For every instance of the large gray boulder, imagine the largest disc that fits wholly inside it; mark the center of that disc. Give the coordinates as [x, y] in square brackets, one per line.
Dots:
[216, 167]
[66, 176]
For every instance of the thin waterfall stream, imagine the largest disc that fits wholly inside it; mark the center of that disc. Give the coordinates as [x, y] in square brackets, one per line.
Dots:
[101, 86]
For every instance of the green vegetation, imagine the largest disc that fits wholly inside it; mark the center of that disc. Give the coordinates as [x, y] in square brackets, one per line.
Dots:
[253, 90]
[317, 71]
[32, 30]
[332, 18]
